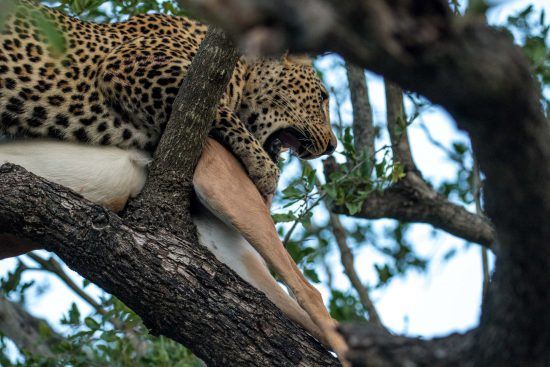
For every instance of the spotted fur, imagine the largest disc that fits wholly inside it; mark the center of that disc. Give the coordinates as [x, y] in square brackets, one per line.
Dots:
[114, 84]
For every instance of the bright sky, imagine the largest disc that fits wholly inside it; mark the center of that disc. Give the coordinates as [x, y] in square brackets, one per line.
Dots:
[447, 298]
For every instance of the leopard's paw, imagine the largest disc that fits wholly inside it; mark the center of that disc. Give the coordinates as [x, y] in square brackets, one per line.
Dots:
[266, 178]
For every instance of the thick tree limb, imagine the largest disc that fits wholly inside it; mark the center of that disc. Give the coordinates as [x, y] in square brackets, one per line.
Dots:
[412, 200]
[180, 147]
[177, 287]
[151, 259]
[484, 81]
[29, 333]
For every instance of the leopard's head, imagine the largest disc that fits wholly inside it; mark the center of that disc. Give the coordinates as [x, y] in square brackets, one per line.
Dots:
[286, 106]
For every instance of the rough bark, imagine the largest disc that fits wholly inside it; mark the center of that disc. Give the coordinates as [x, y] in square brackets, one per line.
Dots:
[177, 287]
[484, 82]
[169, 179]
[150, 258]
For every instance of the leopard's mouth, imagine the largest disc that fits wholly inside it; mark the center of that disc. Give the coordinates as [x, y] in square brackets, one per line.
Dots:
[284, 139]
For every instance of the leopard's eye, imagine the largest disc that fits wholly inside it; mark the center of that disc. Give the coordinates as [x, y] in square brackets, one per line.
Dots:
[324, 96]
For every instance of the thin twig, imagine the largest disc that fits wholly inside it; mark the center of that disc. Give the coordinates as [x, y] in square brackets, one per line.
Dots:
[53, 266]
[452, 155]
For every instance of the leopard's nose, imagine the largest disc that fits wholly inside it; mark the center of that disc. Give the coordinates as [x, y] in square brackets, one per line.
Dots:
[330, 149]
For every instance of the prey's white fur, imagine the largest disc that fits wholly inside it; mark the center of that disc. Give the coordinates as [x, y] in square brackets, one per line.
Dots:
[103, 175]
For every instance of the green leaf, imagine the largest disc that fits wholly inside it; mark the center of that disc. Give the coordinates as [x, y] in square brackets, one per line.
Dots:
[354, 208]
[312, 275]
[74, 315]
[284, 217]
[52, 35]
[91, 323]
[292, 192]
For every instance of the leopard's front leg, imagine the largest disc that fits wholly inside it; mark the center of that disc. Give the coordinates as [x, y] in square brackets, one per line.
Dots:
[231, 131]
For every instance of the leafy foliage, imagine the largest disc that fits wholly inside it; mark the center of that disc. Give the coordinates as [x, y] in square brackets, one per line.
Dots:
[106, 10]
[532, 32]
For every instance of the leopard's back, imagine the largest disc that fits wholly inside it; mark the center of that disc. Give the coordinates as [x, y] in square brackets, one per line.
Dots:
[110, 84]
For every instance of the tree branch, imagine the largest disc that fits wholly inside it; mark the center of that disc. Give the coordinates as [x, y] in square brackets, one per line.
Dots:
[29, 333]
[178, 288]
[411, 199]
[170, 177]
[54, 267]
[484, 82]
[363, 124]
[479, 210]
[348, 262]
[372, 346]
[397, 127]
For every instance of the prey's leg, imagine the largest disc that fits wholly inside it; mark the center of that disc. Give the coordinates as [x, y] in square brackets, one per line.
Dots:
[230, 247]
[224, 188]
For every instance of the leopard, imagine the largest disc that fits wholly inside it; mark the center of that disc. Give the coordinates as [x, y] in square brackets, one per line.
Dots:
[114, 84]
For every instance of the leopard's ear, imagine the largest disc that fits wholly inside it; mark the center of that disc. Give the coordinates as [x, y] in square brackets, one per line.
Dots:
[300, 59]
